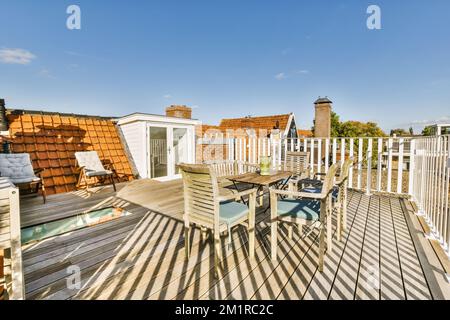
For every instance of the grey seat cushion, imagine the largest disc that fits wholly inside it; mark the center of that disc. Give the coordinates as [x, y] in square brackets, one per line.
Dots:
[98, 173]
[91, 163]
[17, 167]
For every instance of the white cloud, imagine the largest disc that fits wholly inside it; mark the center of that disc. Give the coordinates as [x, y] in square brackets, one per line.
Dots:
[16, 56]
[445, 119]
[280, 76]
[302, 71]
[195, 107]
[167, 96]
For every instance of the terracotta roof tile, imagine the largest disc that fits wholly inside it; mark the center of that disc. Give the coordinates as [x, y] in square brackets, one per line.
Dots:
[52, 140]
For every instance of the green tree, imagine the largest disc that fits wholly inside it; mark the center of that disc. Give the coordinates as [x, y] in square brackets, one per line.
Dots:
[399, 132]
[353, 128]
[427, 131]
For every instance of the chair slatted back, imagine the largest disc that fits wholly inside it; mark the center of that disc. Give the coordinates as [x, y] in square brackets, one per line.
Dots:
[230, 167]
[297, 162]
[328, 182]
[345, 170]
[200, 192]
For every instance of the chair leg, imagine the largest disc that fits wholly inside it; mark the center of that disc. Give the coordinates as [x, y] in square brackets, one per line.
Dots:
[217, 254]
[274, 239]
[290, 231]
[329, 229]
[251, 226]
[44, 194]
[344, 210]
[203, 233]
[187, 244]
[321, 247]
[113, 183]
[339, 218]
[273, 226]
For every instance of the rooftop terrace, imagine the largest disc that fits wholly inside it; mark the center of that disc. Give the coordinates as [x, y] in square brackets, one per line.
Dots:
[384, 254]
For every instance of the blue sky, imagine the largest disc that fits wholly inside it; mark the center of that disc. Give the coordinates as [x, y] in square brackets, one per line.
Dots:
[230, 58]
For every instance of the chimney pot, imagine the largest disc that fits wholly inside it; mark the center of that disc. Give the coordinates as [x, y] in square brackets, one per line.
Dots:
[179, 111]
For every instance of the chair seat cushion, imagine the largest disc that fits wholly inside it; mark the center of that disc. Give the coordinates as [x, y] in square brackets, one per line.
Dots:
[91, 173]
[24, 180]
[232, 211]
[299, 208]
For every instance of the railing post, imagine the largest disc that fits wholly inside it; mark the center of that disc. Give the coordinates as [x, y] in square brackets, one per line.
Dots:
[400, 165]
[412, 163]
[351, 153]
[389, 168]
[369, 167]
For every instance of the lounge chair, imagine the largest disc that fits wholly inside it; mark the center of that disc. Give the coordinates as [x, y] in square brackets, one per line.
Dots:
[92, 168]
[18, 168]
[204, 207]
[303, 208]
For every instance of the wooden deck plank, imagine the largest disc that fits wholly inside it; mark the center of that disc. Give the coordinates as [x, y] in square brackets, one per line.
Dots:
[368, 284]
[391, 283]
[298, 287]
[345, 282]
[416, 287]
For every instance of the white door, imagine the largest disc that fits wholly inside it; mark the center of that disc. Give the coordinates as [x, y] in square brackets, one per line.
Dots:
[169, 145]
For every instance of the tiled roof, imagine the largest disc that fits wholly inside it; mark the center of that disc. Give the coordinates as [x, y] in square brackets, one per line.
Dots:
[265, 122]
[52, 139]
[304, 133]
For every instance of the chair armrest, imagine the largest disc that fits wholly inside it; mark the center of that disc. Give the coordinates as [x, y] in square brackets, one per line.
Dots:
[298, 194]
[38, 172]
[239, 194]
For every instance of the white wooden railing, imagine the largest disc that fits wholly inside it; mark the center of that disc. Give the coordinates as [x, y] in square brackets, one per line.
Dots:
[417, 167]
[381, 164]
[431, 174]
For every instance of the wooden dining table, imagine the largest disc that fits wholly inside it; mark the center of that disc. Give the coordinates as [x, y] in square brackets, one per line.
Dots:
[261, 182]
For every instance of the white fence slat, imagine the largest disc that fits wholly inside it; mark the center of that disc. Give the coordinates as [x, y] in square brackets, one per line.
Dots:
[360, 160]
[389, 166]
[379, 163]
[334, 150]
[312, 156]
[400, 165]
[369, 166]
[319, 155]
[351, 153]
[327, 154]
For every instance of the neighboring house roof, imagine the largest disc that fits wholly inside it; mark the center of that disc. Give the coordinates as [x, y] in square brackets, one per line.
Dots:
[267, 123]
[52, 139]
[304, 133]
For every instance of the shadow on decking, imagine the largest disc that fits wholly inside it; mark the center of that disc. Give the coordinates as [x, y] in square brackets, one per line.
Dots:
[141, 256]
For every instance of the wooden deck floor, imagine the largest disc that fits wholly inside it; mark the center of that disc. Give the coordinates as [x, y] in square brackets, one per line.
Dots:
[141, 256]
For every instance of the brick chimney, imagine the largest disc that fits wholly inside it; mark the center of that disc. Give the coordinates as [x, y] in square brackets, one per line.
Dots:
[179, 111]
[322, 122]
[3, 120]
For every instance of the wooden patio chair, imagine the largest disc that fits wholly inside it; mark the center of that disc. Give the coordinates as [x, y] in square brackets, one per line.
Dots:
[340, 192]
[90, 168]
[204, 207]
[19, 169]
[303, 208]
